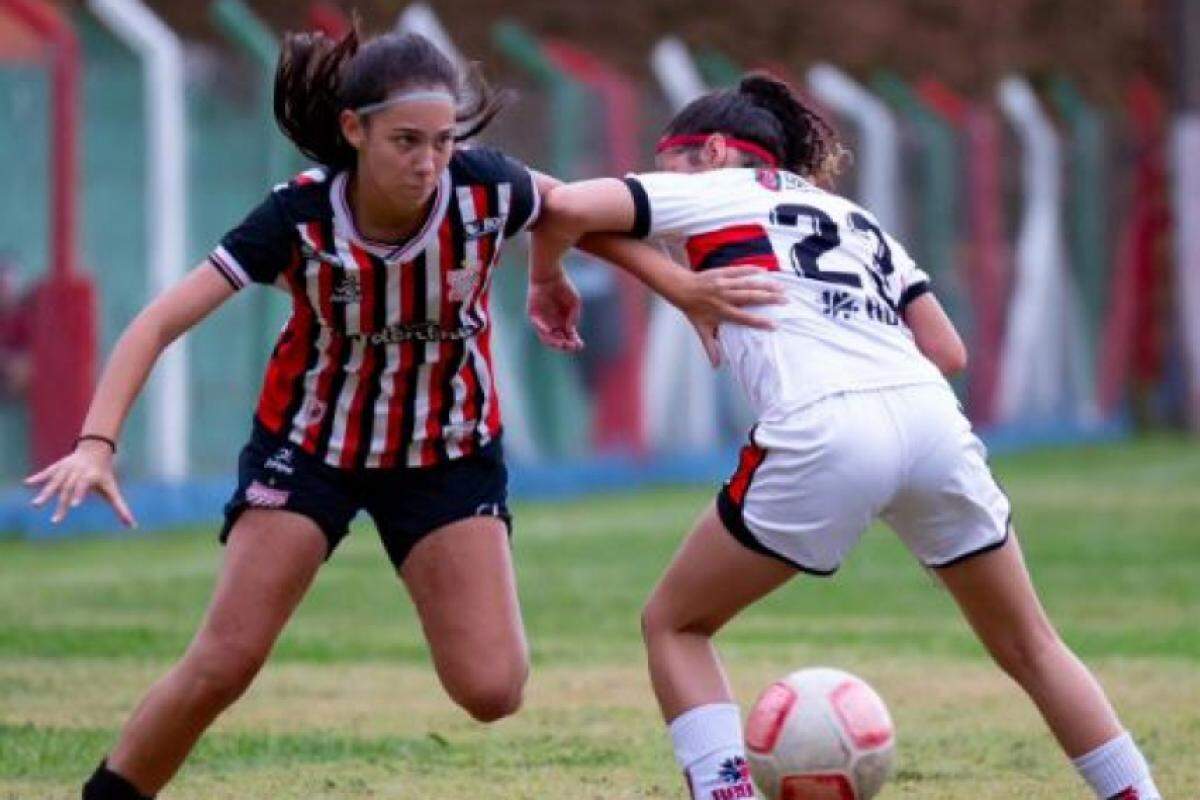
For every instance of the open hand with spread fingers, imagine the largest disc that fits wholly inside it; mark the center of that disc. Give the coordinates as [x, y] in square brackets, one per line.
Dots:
[89, 468]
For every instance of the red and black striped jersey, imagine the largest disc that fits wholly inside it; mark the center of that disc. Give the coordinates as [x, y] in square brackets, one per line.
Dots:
[386, 358]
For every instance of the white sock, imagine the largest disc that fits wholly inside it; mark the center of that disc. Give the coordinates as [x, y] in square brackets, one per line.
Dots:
[709, 749]
[1117, 769]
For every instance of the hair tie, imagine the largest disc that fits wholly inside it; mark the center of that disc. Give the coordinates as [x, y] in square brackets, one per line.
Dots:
[95, 437]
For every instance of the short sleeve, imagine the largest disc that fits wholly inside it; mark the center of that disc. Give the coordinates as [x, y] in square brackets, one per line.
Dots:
[258, 249]
[665, 203]
[914, 281]
[514, 182]
[525, 203]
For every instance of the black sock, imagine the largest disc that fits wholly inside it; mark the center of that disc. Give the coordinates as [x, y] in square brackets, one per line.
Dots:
[108, 785]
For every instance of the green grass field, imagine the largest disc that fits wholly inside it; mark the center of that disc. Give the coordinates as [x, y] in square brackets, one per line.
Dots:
[349, 708]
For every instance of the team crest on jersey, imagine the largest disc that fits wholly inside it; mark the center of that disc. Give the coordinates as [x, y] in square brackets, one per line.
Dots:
[347, 290]
[463, 282]
[768, 179]
[478, 228]
[310, 253]
[312, 412]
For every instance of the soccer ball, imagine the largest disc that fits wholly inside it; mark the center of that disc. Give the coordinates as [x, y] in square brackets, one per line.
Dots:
[820, 734]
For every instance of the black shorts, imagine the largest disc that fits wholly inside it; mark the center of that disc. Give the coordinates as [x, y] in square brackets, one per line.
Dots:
[406, 503]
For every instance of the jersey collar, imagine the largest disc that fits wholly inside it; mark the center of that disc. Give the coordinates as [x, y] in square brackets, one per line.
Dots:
[343, 221]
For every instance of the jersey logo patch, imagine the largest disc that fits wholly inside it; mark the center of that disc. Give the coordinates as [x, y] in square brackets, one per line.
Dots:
[310, 253]
[768, 179]
[348, 290]
[463, 282]
[416, 332]
[312, 412]
[281, 462]
[478, 228]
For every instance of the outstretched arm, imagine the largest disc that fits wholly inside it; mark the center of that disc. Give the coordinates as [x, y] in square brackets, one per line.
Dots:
[90, 466]
[596, 215]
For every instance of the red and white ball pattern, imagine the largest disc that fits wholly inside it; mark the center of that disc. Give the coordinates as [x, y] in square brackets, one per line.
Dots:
[820, 734]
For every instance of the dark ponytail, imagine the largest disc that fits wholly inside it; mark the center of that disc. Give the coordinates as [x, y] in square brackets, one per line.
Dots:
[763, 111]
[308, 81]
[317, 78]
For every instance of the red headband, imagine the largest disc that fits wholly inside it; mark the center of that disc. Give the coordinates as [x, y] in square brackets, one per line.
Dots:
[690, 140]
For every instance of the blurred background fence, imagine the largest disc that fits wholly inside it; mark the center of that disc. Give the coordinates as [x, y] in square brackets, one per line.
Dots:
[1046, 186]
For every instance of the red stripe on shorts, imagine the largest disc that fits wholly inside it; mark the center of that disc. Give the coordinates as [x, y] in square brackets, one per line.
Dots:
[750, 459]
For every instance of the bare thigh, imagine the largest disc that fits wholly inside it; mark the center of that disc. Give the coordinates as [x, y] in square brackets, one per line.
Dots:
[270, 562]
[997, 597]
[711, 578]
[463, 585]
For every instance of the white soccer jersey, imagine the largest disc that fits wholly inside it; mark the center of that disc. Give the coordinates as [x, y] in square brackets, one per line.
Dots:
[847, 282]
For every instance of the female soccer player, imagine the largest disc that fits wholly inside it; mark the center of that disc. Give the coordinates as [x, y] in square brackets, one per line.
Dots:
[380, 392]
[855, 422]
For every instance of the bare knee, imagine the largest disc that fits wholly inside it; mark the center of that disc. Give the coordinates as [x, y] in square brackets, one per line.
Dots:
[491, 692]
[661, 618]
[220, 668]
[1028, 654]
[656, 620]
[491, 702]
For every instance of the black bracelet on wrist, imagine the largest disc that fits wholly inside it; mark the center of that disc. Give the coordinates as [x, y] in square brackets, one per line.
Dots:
[95, 437]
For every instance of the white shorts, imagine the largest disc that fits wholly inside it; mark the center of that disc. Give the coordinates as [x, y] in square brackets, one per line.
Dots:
[808, 486]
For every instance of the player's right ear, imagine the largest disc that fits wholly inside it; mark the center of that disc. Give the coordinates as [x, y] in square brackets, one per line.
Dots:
[715, 152]
[353, 128]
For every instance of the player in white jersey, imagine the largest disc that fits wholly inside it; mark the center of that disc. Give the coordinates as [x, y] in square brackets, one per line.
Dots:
[855, 423]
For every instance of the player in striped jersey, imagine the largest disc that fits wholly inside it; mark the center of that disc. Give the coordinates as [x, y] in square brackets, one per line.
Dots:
[855, 423]
[380, 393]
